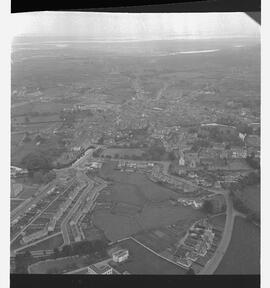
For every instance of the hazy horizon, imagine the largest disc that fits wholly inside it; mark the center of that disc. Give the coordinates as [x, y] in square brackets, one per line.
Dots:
[134, 27]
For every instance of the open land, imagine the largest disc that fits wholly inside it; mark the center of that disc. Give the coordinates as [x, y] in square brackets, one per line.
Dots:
[243, 254]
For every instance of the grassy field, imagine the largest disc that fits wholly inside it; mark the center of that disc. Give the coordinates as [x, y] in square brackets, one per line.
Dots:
[143, 187]
[151, 201]
[142, 261]
[251, 197]
[243, 254]
[218, 221]
[165, 237]
[66, 263]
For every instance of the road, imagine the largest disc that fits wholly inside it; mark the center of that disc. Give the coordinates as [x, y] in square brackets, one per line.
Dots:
[213, 263]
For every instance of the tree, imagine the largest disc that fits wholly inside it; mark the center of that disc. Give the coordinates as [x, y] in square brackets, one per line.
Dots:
[53, 270]
[56, 252]
[190, 271]
[36, 161]
[208, 206]
[26, 120]
[171, 156]
[66, 250]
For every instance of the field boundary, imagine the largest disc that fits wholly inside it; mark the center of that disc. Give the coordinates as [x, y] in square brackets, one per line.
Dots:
[149, 249]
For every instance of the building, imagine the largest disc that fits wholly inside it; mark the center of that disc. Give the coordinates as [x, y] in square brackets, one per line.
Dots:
[17, 172]
[181, 158]
[193, 256]
[95, 165]
[120, 256]
[103, 269]
[184, 262]
[238, 152]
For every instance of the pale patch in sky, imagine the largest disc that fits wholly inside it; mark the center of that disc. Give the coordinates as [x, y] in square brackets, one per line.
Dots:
[135, 26]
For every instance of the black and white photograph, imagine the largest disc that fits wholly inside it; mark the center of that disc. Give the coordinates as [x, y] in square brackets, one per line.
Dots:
[135, 143]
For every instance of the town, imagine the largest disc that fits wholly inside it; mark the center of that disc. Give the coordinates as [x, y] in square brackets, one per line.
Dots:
[135, 158]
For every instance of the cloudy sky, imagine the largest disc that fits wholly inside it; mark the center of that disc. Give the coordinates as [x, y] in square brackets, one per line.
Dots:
[134, 26]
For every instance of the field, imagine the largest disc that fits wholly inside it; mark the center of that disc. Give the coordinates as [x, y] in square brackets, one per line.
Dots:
[51, 266]
[122, 153]
[142, 261]
[14, 203]
[147, 190]
[243, 254]
[251, 197]
[165, 239]
[134, 203]
[218, 221]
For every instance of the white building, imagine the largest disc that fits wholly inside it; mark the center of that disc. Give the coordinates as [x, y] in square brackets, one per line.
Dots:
[120, 255]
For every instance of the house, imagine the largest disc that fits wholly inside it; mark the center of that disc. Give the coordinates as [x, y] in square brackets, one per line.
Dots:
[181, 160]
[238, 152]
[120, 256]
[184, 262]
[16, 171]
[193, 256]
[182, 252]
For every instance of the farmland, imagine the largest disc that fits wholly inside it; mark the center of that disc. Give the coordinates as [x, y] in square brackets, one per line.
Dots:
[142, 261]
[251, 197]
[134, 203]
[243, 254]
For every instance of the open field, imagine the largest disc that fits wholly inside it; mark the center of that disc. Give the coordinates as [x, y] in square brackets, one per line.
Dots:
[143, 187]
[218, 221]
[243, 253]
[149, 206]
[165, 237]
[58, 265]
[142, 261]
[251, 197]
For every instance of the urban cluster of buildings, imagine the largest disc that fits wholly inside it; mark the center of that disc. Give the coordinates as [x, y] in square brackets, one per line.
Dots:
[130, 166]
[194, 203]
[196, 243]
[50, 222]
[17, 172]
[158, 175]
[105, 267]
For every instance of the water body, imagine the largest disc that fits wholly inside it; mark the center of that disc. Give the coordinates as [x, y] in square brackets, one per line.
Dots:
[190, 52]
[243, 253]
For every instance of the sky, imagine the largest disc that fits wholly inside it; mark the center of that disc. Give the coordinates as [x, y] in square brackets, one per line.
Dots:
[139, 26]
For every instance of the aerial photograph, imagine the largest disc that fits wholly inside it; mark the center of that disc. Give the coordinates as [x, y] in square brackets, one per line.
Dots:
[135, 143]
